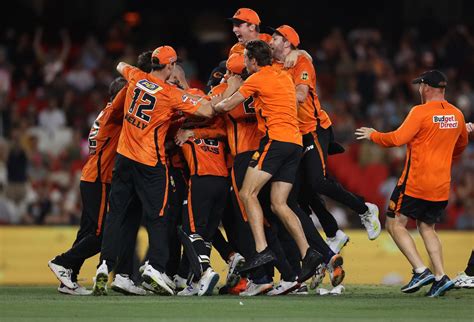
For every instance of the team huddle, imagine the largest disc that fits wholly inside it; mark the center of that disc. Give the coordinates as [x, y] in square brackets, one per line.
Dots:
[249, 155]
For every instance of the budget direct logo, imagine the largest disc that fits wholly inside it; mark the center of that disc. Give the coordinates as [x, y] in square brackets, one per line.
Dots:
[446, 121]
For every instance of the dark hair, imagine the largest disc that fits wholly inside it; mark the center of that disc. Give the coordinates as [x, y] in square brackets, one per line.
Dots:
[144, 61]
[155, 64]
[115, 87]
[259, 50]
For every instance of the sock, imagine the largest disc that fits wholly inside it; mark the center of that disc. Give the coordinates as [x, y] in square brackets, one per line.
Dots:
[438, 278]
[420, 269]
[470, 265]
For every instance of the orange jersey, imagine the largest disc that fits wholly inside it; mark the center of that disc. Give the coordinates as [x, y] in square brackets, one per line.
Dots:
[205, 157]
[149, 106]
[103, 140]
[239, 48]
[274, 95]
[240, 125]
[434, 133]
[310, 110]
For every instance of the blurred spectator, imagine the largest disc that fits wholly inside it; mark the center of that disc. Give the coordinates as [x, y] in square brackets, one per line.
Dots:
[17, 163]
[52, 117]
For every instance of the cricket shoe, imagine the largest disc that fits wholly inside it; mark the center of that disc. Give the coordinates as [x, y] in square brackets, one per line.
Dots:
[418, 280]
[156, 280]
[77, 290]
[207, 282]
[254, 289]
[336, 272]
[462, 280]
[337, 242]
[438, 288]
[370, 220]
[62, 273]
[284, 288]
[123, 284]
[100, 280]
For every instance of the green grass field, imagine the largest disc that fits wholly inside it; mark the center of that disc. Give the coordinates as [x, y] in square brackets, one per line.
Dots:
[359, 303]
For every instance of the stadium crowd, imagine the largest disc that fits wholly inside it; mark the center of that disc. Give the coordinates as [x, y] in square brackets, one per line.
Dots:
[51, 92]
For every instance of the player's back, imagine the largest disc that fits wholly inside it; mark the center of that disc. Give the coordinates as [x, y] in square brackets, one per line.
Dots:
[148, 110]
[430, 152]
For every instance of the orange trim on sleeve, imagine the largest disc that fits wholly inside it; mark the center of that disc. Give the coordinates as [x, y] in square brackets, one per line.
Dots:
[102, 209]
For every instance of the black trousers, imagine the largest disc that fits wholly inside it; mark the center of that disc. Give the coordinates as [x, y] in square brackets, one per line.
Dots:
[95, 196]
[150, 185]
[207, 196]
[316, 181]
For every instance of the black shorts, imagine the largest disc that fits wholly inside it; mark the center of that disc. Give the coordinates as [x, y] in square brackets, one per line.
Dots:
[280, 159]
[429, 212]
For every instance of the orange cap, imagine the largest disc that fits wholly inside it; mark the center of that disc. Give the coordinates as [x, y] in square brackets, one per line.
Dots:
[289, 34]
[246, 15]
[235, 63]
[165, 55]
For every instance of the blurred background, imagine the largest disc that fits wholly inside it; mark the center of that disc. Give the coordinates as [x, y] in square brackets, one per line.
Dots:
[57, 59]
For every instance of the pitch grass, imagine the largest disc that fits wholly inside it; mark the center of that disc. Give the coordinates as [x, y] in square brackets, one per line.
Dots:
[359, 303]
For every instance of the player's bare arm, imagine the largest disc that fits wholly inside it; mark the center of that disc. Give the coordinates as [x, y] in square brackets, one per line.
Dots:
[292, 57]
[230, 103]
[302, 91]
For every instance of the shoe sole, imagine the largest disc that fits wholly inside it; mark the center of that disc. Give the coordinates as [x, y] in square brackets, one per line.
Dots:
[100, 286]
[191, 254]
[210, 287]
[419, 285]
[441, 291]
[71, 292]
[65, 282]
[157, 287]
[291, 289]
[263, 292]
[338, 273]
[124, 291]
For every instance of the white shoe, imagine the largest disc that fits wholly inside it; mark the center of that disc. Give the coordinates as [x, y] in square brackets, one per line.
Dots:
[77, 290]
[207, 282]
[63, 274]
[302, 290]
[318, 277]
[141, 269]
[190, 290]
[180, 282]
[370, 220]
[462, 280]
[337, 242]
[156, 280]
[253, 289]
[123, 284]
[284, 287]
[235, 261]
[100, 280]
[169, 281]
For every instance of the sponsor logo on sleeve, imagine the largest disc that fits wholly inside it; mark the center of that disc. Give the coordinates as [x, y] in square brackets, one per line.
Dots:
[445, 121]
[186, 98]
[148, 86]
[304, 76]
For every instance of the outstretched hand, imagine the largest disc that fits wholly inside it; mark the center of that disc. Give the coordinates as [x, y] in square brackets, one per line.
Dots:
[364, 133]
